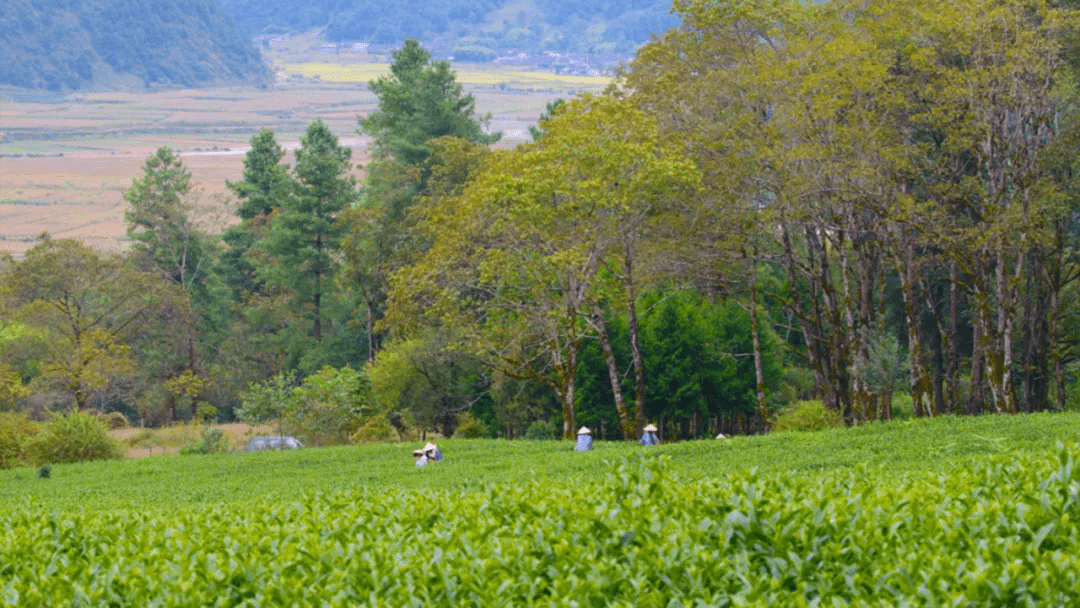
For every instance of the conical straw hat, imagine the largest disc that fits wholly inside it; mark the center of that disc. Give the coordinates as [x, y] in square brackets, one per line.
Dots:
[651, 428]
[584, 431]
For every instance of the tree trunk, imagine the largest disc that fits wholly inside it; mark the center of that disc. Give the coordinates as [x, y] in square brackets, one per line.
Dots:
[952, 350]
[625, 423]
[759, 373]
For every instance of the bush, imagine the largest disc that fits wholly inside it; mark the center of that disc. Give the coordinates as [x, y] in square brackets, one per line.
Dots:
[470, 428]
[16, 432]
[114, 420]
[75, 437]
[376, 430]
[212, 441]
[808, 416]
[541, 429]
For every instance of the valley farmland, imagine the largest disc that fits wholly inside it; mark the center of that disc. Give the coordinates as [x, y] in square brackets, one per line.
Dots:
[65, 161]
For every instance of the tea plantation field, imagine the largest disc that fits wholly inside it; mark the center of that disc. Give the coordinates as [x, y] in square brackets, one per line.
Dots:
[952, 511]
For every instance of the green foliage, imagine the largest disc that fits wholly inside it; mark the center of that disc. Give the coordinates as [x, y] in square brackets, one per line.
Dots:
[330, 406]
[468, 427]
[811, 415]
[300, 250]
[267, 401]
[114, 420]
[12, 389]
[376, 430]
[541, 430]
[73, 437]
[602, 25]
[783, 519]
[62, 46]
[84, 309]
[537, 131]
[419, 101]
[325, 409]
[16, 433]
[212, 441]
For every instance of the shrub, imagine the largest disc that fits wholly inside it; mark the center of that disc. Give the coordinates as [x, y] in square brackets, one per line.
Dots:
[75, 437]
[114, 420]
[16, 432]
[140, 438]
[808, 416]
[212, 441]
[375, 430]
[541, 429]
[471, 428]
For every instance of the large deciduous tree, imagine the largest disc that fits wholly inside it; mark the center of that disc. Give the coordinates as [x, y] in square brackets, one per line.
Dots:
[515, 260]
[83, 307]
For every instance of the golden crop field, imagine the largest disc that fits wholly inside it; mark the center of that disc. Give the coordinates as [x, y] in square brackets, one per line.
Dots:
[474, 74]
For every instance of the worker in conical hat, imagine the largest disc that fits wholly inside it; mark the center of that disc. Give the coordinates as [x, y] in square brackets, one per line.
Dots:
[421, 459]
[584, 440]
[432, 453]
[649, 437]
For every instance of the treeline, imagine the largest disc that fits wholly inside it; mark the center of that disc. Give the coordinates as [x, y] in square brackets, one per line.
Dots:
[595, 26]
[62, 45]
[862, 206]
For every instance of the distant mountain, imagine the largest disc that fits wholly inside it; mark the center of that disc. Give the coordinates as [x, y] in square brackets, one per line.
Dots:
[64, 45]
[479, 27]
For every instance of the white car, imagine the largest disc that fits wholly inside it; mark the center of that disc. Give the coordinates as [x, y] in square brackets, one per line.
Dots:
[274, 443]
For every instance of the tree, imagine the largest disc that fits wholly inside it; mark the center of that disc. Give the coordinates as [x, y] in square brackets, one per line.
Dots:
[515, 259]
[162, 223]
[83, 306]
[305, 234]
[420, 100]
[424, 121]
[537, 131]
[265, 183]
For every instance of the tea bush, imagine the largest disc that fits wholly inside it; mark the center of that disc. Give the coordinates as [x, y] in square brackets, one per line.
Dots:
[16, 432]
[469, 427]
[809, 415]
[74, 437]
[377, 429]
[949, 511]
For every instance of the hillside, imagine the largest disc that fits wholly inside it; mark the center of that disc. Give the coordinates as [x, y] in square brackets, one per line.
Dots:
[64, 45]
[478, 29]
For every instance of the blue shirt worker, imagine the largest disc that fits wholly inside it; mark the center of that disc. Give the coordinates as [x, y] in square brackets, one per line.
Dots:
[433, 453]
[584, 440]
[421, 459]
[649, 438]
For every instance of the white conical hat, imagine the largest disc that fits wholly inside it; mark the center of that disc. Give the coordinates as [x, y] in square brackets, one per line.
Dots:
[651, 428]
[429, 447]
[584, 431]
[418, 452]
[721, 436]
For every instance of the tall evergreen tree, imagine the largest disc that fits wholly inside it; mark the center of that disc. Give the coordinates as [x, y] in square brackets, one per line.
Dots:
[266, 181]
[419, 101]
[304, 234]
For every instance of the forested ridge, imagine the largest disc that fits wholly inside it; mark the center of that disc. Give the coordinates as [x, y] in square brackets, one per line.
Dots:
[828, 213]
[64, 45]
[604, 26]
